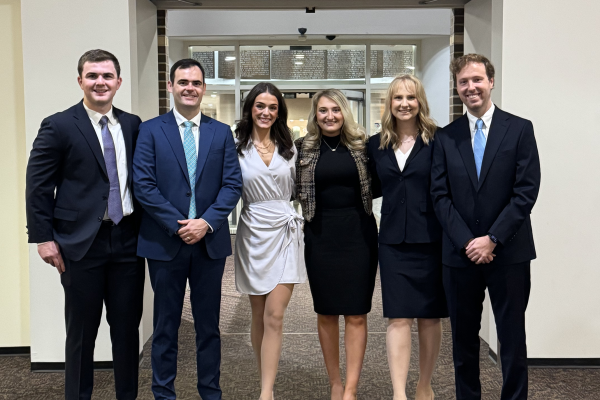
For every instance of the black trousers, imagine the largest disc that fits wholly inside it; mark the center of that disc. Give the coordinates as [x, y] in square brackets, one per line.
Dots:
[112, 274]
[509, 287]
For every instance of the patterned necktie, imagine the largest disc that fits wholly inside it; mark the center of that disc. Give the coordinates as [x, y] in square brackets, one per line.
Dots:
[189, 146]
[115, 206]
[479, 145]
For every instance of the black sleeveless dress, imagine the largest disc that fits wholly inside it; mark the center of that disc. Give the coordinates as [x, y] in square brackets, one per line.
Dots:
[341, 240]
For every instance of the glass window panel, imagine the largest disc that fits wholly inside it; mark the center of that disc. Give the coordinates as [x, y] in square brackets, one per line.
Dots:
[389, 61]
[296, 64]
[218, 63]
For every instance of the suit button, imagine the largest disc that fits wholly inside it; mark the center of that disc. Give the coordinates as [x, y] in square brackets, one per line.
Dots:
[401, 179]
[402, 201]
[477, 222]
[100, 219]
[188, 194]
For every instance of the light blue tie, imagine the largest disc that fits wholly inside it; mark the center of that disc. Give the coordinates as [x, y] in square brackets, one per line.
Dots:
[189, 146]
[479, 145]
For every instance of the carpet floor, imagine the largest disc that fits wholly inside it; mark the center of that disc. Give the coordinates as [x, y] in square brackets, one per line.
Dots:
[302, 374]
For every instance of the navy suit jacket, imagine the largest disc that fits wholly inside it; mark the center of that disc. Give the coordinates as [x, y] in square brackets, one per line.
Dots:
[67, 157]
[162, 186]
[500, 201]
[407, 212]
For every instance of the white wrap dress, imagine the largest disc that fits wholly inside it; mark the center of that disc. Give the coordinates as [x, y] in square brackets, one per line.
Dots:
[269, 244]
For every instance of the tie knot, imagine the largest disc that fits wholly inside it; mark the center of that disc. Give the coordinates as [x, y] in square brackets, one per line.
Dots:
[103, 120]
[188, 124]
[479, 123]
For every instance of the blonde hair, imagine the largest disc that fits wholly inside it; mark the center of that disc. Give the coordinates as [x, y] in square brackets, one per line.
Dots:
[425, 123]
[352, 136]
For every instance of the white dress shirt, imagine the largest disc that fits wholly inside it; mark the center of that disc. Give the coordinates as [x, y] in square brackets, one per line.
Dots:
[402, 157]
[487, 122]
[180, 119]
[195, 128]
[119, 141]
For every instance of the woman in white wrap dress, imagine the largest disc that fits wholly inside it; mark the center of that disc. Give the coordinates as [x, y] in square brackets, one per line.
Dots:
[269, 245]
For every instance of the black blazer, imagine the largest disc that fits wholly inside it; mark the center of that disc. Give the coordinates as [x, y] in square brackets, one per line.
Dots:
[407, 212]
[67, 157]
[500, 202]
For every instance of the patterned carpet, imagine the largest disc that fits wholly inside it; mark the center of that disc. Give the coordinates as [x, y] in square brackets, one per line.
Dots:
[302, 373]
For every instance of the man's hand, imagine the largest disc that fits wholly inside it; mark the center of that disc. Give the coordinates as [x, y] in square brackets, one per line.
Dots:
[192, 230]
[50, 253]
[479, 250]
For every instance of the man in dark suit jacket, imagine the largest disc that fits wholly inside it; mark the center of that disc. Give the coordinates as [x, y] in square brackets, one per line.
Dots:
[187, 178]
[80, 211]
[485, 181]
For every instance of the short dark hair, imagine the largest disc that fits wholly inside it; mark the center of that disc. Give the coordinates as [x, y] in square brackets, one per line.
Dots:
[185, 64]
[459, 63]
[98, 55]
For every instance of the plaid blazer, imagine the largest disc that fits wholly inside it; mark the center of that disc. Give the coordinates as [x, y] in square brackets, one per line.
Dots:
[306, 163]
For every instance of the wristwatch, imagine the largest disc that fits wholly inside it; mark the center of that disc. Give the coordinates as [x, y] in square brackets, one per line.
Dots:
[493, 238]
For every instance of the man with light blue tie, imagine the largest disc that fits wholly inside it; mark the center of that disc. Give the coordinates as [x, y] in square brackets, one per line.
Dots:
[484, 183]
[187, 177]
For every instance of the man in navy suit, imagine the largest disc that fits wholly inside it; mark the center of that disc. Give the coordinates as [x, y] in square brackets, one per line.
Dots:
[82, 214]
[485, 181]
[188, 179]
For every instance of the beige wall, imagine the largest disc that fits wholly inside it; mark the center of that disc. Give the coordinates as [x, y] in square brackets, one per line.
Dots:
[546, 70]
[53, 41]
[550, 75]
[14, 270]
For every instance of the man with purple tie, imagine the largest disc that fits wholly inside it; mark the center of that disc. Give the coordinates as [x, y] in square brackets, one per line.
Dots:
[82, 214]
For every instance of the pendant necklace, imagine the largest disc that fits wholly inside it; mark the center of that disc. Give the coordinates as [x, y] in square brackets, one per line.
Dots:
[331, 148]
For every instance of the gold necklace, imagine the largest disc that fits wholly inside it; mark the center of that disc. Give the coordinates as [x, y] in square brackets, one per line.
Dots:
[263, 150]
[332, 149]
[411, 138]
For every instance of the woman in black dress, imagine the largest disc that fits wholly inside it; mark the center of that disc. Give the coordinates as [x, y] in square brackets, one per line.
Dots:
[340, 233]
[410, 246]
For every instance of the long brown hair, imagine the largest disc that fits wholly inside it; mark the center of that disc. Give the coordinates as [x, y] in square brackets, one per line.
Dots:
[425, 123]
[280, 133]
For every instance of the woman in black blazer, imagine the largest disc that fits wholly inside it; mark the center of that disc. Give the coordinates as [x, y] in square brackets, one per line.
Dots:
[410, 236]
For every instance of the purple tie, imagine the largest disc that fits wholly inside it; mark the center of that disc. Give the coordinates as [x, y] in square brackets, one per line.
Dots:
[115, 206]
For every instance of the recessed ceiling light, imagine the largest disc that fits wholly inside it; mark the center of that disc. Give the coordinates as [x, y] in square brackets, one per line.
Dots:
[298, 63]
[299, 56]
[291, 120]
[210, 105]
[213, 95]
[301, 120]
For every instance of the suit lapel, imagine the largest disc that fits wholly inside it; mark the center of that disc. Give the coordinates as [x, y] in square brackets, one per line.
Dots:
[496, 134]
[392, 155]
[128, 139]
[416, 148]
[207, 133]
[171, 131]
[462, 136]
[83, 123]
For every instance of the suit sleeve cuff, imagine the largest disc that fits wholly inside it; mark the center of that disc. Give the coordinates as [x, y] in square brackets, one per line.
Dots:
[210, 229]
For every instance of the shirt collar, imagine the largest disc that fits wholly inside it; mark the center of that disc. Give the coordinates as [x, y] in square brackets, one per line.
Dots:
[95, 116]
[486, 118]
[181, 119]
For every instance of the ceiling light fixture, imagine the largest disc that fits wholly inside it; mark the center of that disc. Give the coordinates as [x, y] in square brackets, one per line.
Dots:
[229, 58]
[213, 95]
[298, 63]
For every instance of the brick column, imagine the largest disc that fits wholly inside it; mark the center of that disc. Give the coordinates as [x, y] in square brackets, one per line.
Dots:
[164, 105]
[457, 37]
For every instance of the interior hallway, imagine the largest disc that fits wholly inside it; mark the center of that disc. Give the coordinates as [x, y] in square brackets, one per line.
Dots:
[302, 373]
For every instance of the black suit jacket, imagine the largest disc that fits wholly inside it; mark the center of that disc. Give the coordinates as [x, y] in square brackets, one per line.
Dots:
[407, 212]
[500, 202]
[67, 184]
